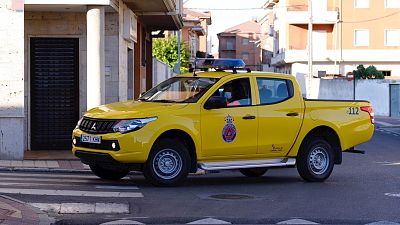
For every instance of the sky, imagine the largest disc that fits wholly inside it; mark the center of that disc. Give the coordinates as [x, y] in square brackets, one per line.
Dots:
[224, 18]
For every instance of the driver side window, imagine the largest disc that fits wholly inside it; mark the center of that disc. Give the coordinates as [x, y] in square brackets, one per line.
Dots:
[237, 92]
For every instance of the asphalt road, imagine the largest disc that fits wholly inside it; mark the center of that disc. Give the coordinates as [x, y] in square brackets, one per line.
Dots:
[364, 189]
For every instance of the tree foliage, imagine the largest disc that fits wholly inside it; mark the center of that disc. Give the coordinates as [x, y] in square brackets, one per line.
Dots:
[166, 50]
[367, 73]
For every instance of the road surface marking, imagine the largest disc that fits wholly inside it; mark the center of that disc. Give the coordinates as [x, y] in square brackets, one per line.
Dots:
[383, 223]
[209, 221]
[393, 195]
[77, 208]
[118, 222]
[71, 193]
[297, 221]
[116, 187]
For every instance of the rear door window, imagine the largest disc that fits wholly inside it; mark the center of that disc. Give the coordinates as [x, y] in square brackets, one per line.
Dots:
[273, 90]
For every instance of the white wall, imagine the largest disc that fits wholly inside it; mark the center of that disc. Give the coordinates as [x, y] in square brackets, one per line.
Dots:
[161, 71]
[12, 80]
[375, 91]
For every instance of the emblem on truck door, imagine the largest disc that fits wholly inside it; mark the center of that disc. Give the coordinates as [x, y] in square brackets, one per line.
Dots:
[229, 130]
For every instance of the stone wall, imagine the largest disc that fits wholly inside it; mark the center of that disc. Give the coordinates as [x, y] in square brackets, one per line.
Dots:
[12, 79]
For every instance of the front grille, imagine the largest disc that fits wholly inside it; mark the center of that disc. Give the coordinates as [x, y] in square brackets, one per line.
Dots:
[97, 126]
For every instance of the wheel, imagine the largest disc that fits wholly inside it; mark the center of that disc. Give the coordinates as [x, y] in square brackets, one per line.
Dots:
[253, 172]
[315, 160]
[168, 163]
[108, 174]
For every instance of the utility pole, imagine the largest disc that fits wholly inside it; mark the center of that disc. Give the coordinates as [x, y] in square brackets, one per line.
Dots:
[310, 49]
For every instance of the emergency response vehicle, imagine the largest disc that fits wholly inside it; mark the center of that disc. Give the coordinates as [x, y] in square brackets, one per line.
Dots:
[222, 116]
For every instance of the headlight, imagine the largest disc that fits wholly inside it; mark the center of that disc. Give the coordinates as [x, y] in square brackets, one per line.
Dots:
[125, 126]
[79, 123]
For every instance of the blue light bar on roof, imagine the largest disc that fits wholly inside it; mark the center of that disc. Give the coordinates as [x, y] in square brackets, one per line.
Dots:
[219, 63]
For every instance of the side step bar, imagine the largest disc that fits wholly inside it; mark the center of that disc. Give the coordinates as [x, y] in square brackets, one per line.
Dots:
[285, 162]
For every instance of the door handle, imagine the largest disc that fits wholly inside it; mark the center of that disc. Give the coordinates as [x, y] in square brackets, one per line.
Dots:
[292, 114]
[248, 117]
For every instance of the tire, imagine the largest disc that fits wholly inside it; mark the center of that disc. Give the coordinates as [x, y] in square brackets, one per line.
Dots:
[168, 163]
[108, 174]
[315, 160]
[253, 172]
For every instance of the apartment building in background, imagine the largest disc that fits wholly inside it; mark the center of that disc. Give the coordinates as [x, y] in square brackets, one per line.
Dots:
[345, 33]
[60, 58]
[195, 32]
[242, 42]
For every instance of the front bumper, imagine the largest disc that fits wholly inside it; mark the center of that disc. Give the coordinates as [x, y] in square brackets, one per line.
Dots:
[133, 147]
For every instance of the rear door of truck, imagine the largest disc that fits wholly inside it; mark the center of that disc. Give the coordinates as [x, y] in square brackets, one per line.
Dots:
[280, 112]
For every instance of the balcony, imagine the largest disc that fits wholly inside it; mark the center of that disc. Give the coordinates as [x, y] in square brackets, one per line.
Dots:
[319, 17]
[358, 56]
[270, 3]
[158, 14]
[292, 56]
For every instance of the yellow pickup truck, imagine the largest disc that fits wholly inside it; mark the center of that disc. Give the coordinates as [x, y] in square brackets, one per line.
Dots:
[217, 120]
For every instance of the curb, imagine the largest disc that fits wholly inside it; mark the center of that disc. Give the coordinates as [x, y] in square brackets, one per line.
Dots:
[44, 170]
[44, 219]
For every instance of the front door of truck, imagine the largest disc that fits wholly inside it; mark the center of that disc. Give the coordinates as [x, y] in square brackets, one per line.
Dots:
[280, 115]
[231, 130]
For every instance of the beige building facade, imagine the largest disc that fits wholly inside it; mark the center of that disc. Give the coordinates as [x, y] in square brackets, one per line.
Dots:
[345, 33]
[195, 32]
[60, 58]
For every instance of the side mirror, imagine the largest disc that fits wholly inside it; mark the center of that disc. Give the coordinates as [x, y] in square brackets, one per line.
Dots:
[215, 102]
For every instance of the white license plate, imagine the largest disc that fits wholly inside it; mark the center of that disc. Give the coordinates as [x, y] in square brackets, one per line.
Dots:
[90, 139]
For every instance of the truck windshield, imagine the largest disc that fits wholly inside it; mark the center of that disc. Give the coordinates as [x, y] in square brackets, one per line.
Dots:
[179, 89]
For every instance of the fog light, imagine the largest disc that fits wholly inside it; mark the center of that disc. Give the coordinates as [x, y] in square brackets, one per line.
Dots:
[74, 141]
[113, 145]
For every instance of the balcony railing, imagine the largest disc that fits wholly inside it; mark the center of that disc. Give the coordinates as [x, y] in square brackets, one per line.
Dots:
[322, 17]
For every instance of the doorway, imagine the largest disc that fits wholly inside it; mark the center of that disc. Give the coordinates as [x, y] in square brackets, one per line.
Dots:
[54, 92]
[395, 100]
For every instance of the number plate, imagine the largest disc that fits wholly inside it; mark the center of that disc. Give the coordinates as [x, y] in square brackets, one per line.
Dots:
[90, 139]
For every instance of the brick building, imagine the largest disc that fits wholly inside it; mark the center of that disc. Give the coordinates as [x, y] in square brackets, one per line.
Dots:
[242, 42]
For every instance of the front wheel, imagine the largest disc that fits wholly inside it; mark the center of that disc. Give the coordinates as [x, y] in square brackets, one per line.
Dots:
[315, 160]
[253, 172]
[108, 174]
[168, 163]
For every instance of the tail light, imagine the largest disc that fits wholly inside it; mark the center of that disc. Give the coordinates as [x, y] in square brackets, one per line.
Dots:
[370, 111]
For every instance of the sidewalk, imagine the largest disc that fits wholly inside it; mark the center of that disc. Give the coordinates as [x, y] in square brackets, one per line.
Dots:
[44, 165]
[387, 122]
[13, 211]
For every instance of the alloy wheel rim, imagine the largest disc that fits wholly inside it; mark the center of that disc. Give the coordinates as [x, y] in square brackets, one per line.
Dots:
[318, 160]
[167, 164]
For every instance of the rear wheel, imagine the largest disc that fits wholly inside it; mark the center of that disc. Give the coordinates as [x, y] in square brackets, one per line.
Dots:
[315, 160]
[253, 172]
[168, 163]
[108, 174]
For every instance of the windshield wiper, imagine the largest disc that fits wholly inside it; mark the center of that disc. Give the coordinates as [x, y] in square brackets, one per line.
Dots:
[164, 100]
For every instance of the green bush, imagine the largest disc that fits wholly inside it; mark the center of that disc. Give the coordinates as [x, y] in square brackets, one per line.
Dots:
[367, 73]
[166, 50]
